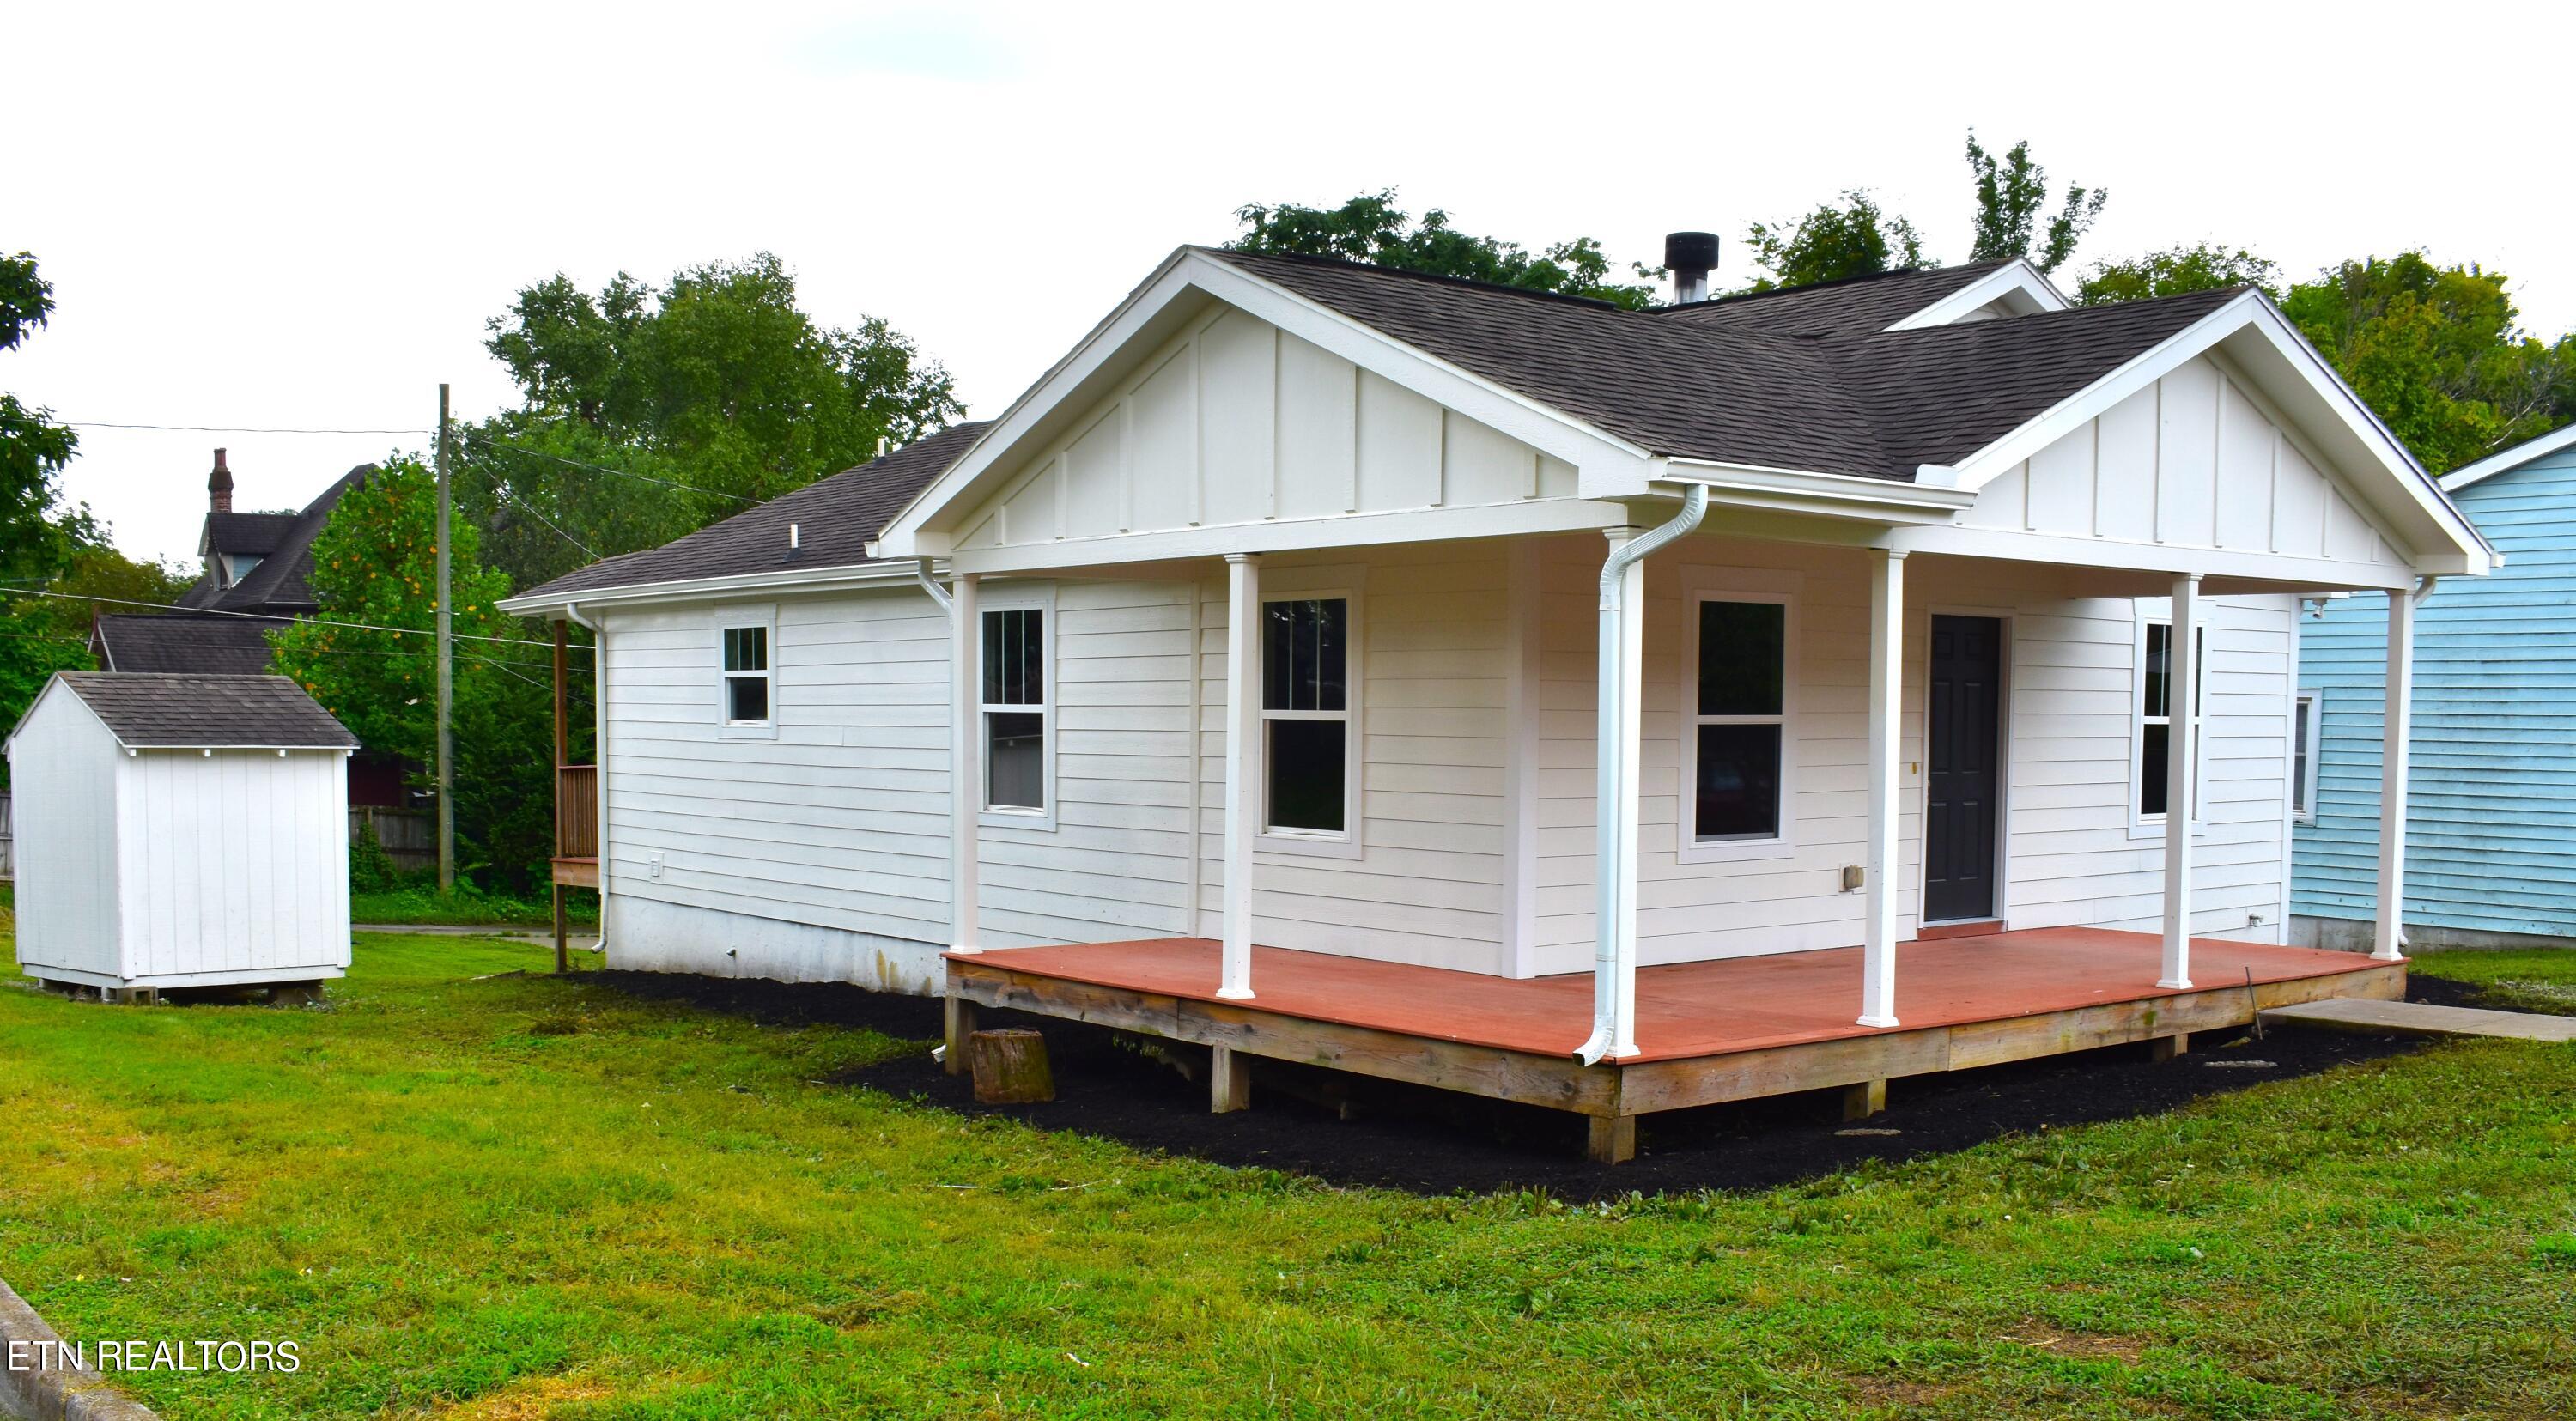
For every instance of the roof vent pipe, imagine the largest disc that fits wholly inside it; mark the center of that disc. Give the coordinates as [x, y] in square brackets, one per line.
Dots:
[1692, 256]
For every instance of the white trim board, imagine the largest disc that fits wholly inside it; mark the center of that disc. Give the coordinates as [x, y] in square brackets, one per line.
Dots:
[2508, 459]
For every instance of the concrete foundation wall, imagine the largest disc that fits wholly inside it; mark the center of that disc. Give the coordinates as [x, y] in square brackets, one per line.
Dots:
[647, 936]
[2353, 935]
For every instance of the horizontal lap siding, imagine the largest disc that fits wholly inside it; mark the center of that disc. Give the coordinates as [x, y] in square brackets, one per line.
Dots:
[841, 821]
[1427, 885]
[2078, 855]
[2491, 799]
[2073, 855]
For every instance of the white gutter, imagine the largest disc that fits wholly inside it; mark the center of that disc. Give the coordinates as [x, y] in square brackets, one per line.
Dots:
[799, 580]
[1614, 1004]
[598, 755]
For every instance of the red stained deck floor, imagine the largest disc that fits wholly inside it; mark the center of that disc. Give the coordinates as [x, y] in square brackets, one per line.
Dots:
[1695, 1008]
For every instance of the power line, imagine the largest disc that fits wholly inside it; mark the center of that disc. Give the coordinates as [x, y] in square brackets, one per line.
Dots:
[533, 513]
[225, 428]
[490, 442]
[270, 617]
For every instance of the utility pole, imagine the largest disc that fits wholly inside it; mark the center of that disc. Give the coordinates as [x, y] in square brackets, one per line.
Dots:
[446, 675]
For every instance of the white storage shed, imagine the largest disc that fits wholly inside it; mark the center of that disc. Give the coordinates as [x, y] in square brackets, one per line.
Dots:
[180, 831]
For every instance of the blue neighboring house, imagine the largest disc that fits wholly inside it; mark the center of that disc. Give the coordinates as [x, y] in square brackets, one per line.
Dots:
[2491, 805]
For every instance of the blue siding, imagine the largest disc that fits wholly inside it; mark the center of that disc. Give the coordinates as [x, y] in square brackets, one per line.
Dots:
[2491, 819]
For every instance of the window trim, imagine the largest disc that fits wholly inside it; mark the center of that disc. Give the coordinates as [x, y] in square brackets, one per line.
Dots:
[1701, 585]
[1039, 598]
[2303, 782]
[1311, 584]
[2156, 612]
[743, 618]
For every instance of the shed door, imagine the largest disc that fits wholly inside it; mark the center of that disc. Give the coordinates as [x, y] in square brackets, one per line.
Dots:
[1960, 780]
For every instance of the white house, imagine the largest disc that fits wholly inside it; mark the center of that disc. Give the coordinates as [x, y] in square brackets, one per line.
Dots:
[180, 830]
[1484, 636]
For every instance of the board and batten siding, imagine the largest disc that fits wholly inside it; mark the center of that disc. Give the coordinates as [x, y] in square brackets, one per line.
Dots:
[2491, 796]
[2199, 459]
[1236, 421]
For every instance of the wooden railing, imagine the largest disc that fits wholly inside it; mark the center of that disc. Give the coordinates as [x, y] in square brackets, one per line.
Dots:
[576, 811]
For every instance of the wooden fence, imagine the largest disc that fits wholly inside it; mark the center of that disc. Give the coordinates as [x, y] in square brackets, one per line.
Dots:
[410, 836]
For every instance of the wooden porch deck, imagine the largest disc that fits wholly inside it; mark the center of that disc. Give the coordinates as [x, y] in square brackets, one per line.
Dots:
[1708, 1031]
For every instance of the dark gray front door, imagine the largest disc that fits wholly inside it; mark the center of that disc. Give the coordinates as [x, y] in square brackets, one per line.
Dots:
[1960, 779]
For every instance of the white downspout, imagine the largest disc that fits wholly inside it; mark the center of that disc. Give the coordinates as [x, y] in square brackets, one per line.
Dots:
[1614, 952]
[938, 594]
[598, 754]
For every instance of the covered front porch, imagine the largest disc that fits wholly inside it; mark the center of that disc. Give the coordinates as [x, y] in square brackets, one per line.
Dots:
[1707, 1032]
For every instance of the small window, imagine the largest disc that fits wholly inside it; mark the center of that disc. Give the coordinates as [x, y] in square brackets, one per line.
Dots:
[1305, 714]
[1739, 721]
[2155, 719]
[2304, 742]
[746, 675]
[1015, 709]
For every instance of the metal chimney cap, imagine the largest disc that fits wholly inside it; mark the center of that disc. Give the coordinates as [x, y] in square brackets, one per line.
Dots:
[1691, 251]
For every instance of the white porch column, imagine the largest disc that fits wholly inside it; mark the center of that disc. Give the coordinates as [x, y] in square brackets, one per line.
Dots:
[1886, 704]
[2388, 941]
[1242, 763]
[2182, 750]
[1622, 675]
[965, 768]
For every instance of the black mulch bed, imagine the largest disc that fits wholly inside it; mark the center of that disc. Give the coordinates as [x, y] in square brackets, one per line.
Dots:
[1350, 1130]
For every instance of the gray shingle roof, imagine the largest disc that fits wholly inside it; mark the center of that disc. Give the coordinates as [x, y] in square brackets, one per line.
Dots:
[155, 710]
[1859, 304]
[1844, 396]
[835, 518]
[279, 584]
[184, 642]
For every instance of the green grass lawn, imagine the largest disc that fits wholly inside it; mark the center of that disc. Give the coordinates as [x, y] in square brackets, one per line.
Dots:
[477, 1196]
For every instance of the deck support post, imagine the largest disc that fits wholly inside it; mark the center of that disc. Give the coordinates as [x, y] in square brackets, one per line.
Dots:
[2165, 1048]
[1886, 706]
[1229, 1081]
[2388, 937]
[1242, 762]
[2182, 752]
[965, 779]
[960, 1030]
[1863, 1099]
[1613, 1139]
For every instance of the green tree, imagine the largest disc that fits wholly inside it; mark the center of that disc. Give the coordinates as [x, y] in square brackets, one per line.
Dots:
[2176, 271]
[1835, 243]
[1371, 228]
[717, 380]
[37, 535]
[376, 564]
[2437, 353]
[2012, 192]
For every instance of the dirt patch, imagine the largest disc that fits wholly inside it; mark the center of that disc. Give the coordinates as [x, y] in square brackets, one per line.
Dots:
[1354, 1130]
[1893, 1393]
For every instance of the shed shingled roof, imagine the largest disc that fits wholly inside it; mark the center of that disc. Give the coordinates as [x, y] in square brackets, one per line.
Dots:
[835, 518]
[161, 710]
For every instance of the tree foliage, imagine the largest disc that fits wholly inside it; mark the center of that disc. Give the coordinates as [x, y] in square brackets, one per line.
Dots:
[37, 535]
[717, 380]
[1371, 228]
[2436, 351]
[2012, 192]
[1834, 244]
[2176, 271]
[376, 564]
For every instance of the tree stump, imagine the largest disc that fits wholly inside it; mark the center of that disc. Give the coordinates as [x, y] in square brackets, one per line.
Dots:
[1010, 1067]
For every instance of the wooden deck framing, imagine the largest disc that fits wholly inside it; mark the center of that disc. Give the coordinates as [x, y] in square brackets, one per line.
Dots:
[1614, 1093]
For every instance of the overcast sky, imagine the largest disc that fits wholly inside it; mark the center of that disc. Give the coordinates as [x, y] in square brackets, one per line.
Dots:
[302, 219]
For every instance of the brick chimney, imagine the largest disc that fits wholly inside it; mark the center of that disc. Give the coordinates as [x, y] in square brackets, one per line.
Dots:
[219, 486]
